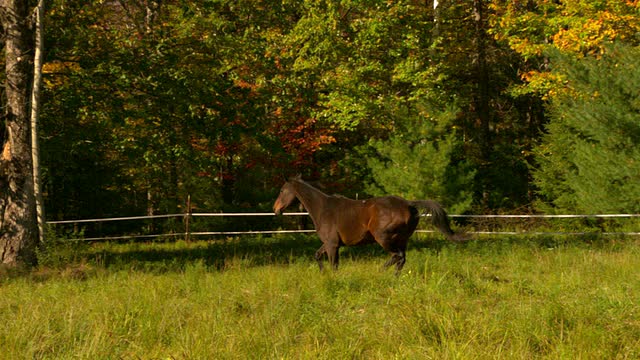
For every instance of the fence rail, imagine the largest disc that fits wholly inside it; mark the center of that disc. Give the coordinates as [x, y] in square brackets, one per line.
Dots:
[170, 216]
[507, 216]
[187, 234]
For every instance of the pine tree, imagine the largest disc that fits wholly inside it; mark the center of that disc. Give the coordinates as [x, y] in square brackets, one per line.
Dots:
[421, 161]
[589, 159]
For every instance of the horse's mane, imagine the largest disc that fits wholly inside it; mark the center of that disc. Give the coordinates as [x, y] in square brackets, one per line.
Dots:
[341, 196]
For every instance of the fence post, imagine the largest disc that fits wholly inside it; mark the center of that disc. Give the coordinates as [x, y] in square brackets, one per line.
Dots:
[187, 218]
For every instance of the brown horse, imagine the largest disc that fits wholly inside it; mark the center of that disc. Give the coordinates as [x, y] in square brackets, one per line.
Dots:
[387, 220]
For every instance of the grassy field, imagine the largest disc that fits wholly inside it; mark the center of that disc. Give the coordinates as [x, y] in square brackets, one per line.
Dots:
[264, 298]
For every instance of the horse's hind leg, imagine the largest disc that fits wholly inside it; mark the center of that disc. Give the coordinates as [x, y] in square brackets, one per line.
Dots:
[398, 258]
[318, 256]
[396, 245]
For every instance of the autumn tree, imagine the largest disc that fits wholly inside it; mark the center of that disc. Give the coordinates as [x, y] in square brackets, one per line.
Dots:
[581, 28]
[560, 44]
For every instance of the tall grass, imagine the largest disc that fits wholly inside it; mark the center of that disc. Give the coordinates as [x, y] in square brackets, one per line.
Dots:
[263, 298]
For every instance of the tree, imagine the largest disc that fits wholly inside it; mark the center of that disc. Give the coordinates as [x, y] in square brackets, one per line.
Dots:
[149, 108]
[148, 101]
[448, 63]
[577, 27]
[589, 159]
[34, 116]
[422, 160]
[18, 226]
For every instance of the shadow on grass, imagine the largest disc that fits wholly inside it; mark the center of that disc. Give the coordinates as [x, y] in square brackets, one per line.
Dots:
[219, 255]
[255, 251]
[214, 254]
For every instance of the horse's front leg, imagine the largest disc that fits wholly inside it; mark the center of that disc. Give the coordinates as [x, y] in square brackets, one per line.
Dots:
[330, 246]
[333, 252]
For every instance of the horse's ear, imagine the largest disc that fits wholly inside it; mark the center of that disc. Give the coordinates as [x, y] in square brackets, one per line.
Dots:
[292, 178]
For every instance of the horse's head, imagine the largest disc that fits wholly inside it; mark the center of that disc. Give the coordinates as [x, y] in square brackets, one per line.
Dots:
[285, 198]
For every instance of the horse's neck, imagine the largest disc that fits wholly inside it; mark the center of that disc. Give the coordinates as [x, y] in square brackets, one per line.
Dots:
[311, 198]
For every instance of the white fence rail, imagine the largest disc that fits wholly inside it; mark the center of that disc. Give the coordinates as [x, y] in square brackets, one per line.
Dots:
[187, 234]
[533, 216]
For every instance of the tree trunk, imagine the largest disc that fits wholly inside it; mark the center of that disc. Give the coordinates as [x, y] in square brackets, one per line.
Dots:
[436, 20]
[35, 114]
[482, 77]
[18, 226]
[481, 98]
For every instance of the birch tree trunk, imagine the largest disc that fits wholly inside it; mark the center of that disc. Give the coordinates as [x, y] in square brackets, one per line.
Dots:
[18, 227]
[436, 19]
[35, 114]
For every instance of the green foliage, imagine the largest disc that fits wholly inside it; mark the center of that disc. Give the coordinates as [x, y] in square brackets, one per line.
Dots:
[163, 101]
[501, 297]
[148, 102]
[589, 160]
[422, 161]
[58, 252]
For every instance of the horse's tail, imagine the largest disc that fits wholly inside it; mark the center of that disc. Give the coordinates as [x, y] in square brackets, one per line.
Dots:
[440, 219]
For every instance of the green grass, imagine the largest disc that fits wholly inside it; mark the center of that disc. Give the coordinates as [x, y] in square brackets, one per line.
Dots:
[262, 298]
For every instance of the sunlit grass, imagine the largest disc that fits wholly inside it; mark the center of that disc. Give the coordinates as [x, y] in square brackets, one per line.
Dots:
[265, 298]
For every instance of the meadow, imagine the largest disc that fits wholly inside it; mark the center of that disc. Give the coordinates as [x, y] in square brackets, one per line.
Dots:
[264, 298]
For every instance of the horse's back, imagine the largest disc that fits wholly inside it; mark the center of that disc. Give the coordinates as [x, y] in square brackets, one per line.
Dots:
[393, 204]
[390, 201]
[393, 211]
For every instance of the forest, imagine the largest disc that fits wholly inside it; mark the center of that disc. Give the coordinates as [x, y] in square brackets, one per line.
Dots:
[156, 107]
[487, 106]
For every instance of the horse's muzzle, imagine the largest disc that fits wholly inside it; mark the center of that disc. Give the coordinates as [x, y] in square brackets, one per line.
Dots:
[277, 208]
